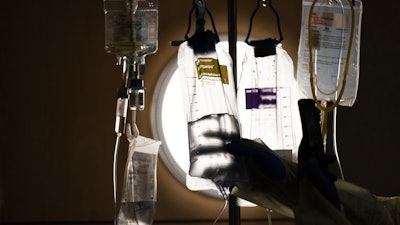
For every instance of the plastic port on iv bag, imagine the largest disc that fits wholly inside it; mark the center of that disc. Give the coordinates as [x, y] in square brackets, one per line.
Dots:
[332, 62]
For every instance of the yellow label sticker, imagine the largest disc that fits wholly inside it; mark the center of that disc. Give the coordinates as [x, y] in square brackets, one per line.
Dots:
[209, 67]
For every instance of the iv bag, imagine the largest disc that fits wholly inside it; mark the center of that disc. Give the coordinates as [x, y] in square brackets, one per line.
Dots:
[119, 29]
[139, 193]
[267, 96]
[131, 27]
[331, 23]
[145, 21]
[209, 99]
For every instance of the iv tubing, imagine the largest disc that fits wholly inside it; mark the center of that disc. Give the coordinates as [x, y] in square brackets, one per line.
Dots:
[326, 110]
[335, 149]
[125, 70]
[220, 213]
[225, 196]
[117, 141]
[269, 211]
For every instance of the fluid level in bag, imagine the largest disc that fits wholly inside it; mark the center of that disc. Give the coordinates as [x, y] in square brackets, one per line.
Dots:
[137, 213]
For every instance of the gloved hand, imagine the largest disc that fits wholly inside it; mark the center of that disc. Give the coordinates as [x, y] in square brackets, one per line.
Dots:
[312, 160]
[269, 164]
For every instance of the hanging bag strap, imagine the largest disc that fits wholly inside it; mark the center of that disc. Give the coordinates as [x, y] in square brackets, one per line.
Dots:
[202, 41]
[199, 6]
[267, 46]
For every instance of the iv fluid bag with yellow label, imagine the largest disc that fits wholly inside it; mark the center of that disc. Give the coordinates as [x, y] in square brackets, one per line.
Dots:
[333, 64]
[210, 106]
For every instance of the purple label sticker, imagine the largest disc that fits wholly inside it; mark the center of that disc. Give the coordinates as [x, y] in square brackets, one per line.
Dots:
[260, 98]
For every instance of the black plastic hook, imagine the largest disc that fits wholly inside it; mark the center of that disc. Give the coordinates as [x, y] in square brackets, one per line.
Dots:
[201, 9]
[201, 41]
[200, 6]
[276, 15]
[267, 46]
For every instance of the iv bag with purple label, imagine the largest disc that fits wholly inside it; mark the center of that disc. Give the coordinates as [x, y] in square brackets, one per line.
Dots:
[267, 97]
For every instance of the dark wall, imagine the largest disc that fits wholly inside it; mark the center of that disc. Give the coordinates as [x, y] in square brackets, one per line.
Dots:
[367, 132]
[58, 91]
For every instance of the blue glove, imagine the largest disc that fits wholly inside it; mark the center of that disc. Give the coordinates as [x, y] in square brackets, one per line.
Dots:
[312, 160]
[269, 164]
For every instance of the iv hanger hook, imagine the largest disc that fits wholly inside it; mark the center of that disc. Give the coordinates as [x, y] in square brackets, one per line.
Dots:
[264, 4]
[201, 9]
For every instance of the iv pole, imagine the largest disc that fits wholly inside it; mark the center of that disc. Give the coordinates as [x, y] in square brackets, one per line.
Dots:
[234, 209]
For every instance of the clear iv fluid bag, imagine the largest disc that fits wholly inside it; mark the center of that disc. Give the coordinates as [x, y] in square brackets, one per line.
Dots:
[331, 28]
[139, 194]
[146, 27]
[131, 27]
[119, 29]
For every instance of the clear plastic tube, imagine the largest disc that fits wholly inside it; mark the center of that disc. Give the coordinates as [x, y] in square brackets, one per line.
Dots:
[269, 212]
[335, 148]
[226, 199]
[115, 159]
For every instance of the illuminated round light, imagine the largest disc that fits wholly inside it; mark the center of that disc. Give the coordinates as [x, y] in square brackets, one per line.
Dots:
[169, 123]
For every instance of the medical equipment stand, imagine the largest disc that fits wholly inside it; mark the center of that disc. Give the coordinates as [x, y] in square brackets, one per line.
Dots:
[234, 209]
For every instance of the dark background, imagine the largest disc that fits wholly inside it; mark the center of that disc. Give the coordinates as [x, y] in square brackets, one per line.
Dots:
[58, 91]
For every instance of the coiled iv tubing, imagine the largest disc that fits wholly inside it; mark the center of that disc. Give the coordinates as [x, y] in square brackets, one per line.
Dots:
[326, 109]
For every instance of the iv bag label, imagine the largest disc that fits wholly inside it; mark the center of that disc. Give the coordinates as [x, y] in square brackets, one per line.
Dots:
[142, 174]
[260, 98]
[322, 59]
[209, 69]
[329, 19]
[328, 30]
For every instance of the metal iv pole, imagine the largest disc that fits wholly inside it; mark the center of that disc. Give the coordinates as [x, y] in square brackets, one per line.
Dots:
[234, 209]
